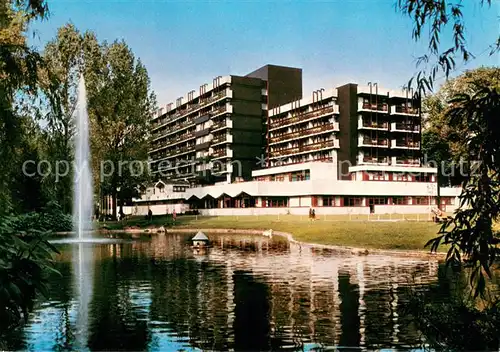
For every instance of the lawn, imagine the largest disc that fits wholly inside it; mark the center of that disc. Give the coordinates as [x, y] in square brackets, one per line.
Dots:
[334, 230]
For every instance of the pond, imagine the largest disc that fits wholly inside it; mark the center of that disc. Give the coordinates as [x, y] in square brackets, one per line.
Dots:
[243, 293]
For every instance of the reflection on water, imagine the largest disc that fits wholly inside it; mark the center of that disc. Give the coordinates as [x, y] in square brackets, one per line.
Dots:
[244, 293]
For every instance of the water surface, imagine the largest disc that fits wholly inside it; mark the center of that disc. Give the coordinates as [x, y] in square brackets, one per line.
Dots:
[244, 293]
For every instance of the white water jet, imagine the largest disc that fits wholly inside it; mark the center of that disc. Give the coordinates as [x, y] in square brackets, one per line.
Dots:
[83, 192]
[82, 217]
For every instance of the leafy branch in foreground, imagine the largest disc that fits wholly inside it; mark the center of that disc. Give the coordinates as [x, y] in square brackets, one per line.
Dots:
[438, 16]
[471, 233]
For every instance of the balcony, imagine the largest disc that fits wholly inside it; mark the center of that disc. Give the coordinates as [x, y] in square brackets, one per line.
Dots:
[306, 148]
[225, 123]
[276, 123]
[406, 161]
[372, 125]
[404, 127]
[373, 142]
[378, 107]
[405, 144]
[190, 109]
[404, 110]
[304, 133]
[222, 153]
[220, 110]
[182, 137]
[373, 160]
[214, 98]
[172, 151]
[224, 138]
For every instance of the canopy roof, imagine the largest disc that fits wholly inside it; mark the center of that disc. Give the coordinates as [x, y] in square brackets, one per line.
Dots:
[200, 236]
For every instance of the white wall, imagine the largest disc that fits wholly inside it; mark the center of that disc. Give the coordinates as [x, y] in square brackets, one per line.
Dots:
[403, 209]
[156, 209]
[283, 211]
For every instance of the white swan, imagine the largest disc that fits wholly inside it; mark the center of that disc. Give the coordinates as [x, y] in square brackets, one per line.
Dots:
[268, 233]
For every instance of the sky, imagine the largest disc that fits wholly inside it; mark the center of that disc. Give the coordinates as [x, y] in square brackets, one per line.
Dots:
[184, 44]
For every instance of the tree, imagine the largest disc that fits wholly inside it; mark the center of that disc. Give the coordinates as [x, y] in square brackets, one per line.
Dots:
[120, 105]
[18, 73]
[472, 120]
[24, 252]
[62, 64]
[470, 233]
[442, 142]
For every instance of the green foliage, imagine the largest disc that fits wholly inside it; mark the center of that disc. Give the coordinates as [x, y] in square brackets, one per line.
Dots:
[120, 105]
[25, 260]
[458, 323]
[50, 218]
[439, 18]
[470, 232]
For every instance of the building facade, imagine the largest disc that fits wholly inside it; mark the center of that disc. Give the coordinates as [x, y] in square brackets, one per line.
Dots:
[252, 144]
[198, 137]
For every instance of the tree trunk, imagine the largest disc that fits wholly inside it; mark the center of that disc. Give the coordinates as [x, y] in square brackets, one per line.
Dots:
[114, 203]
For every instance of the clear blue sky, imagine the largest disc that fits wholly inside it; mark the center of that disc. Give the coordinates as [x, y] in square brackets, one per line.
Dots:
[186, 43]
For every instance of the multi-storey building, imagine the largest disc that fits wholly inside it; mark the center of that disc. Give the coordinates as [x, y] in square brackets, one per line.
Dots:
[352, 149]
[303, 130]
[214, 134]
[358, 124]
[377, 127]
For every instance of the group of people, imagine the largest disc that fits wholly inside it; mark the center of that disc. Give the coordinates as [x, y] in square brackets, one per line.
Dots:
[312, 214]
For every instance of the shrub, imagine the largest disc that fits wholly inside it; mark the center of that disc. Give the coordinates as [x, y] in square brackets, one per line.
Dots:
[25, 260]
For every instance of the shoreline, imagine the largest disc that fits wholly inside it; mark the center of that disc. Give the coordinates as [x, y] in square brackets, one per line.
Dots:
[288, 236]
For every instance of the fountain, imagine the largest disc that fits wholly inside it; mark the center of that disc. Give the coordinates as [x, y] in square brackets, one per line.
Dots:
[82, 217]
[83, 194]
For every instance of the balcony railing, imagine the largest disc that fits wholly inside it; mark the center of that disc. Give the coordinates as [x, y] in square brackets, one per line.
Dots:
[375, 142]
[377, 107]
[302, 133]
[406, 110]
[405, 127]
[173, 151]
[375, 160]
[305, 148]
[407, 161]
[219, 124]
[301, 117]
[222, 138]
[189, 109]
[182, 137]
[405, 144]
[375, 124]
[218, 111]
[214, 98]
[219, 153]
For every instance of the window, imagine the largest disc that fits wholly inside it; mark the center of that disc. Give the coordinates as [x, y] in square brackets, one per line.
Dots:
[378, 201]
[400, 200]
[179, 189]
[329, 201]
[376, 176]
[421, 200]
[423, 178]
[353, 201]
[402, 177]
[301, 175]
[276, 202]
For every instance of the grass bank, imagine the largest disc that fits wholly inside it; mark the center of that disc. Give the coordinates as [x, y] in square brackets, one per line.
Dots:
[340, 231]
